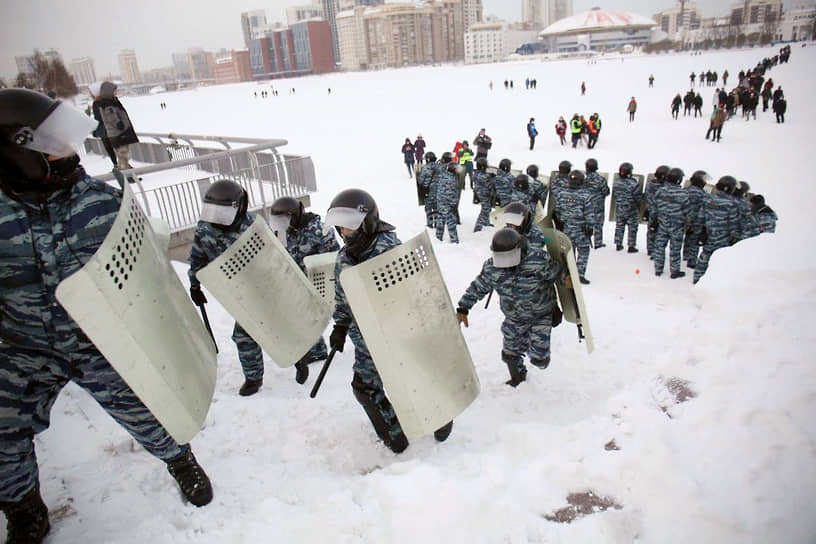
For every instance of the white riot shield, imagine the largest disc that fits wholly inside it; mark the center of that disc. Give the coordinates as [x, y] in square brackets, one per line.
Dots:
[129, 301]
[572, 299]
[320, 271]
[404, 311]
[261, 286]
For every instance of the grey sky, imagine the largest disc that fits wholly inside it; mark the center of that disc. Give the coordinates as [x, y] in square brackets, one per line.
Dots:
[156, 28]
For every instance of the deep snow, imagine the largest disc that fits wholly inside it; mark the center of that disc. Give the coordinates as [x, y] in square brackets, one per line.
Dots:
[733, 464]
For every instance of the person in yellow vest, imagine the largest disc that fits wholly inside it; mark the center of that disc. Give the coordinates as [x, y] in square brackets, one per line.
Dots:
[575, 129]
[466, 161]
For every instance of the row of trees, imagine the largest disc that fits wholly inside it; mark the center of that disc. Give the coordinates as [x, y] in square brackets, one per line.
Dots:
[50, 76]
[729, 41]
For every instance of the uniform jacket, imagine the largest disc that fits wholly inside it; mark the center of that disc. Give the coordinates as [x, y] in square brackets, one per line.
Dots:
[210, 241]
[308, 238]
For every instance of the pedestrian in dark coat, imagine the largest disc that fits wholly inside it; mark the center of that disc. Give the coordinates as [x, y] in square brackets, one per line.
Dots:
[779, 107]
[117, 124]
[408, 153]
[419, 149]
[532, 132]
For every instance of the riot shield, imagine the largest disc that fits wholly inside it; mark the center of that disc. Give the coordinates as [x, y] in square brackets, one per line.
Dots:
[320, 271]
[259, 284]
[404, 311]
[642, 204]
[422, 192]
[572, 299]
[129, 301]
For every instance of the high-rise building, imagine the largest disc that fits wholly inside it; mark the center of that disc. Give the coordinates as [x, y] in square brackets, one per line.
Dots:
[685, 15]
[128, 67]
[484, 43]
[752, 12]
[26, 63]
[352, 39]
[181, 66]
[472, 11]
[251, 20]
[202, 64]
[330, 10]
[233, 67]
[83, 70]
[543, 13]
[296, 14]
[312, 47]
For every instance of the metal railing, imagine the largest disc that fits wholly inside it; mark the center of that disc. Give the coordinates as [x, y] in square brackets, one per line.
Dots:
[182, 167]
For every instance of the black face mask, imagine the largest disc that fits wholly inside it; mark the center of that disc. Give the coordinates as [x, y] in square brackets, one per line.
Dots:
[357, 242]
[23, 170]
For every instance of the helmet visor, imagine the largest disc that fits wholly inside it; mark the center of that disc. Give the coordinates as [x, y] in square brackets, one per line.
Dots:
[507, 259]
[219, 214]
[61, 133]
[350, 218]
[513, 218]
[279, 224]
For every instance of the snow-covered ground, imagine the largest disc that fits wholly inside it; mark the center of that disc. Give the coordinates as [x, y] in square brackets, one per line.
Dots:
[733, 464]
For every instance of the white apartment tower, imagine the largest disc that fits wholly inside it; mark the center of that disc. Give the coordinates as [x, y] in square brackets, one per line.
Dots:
[83, 70]
[128, 67]
[473, 12]
[545, 12]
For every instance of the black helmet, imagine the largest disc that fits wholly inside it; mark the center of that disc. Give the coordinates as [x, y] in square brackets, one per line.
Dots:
[726, 184]
[430, 157]
[698, 178]
[224, 204]
[518, 216]
[661, 172]
[591, 165]
[521, 183]
[625, 169]
[576, 178]
[675, 176]
[362, 202]
[504, 165]
[532, 171]
[26, 140]
[742, 189]
[446, 157]
[757, 202]
[452, 167]
[564, 167]
[355, 209]
[481, 164]
[507, 247]
[288, 206]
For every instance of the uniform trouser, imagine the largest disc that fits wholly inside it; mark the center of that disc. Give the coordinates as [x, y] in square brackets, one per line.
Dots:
[366, 373]
[651, 236]
[430, 211]
[623, 220]
[580, 243]
[30, 381]
[712, 244]
[447, 217]
[123, 157]
[668, 234]
[484, 213]
[691, 245]
[318, 351]
[527, 335]
[249, 353]
[597, 220]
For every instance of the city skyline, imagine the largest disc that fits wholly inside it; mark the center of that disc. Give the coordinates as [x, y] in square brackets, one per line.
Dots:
[156, 29]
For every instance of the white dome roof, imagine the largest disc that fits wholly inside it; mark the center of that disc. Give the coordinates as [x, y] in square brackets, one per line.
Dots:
[597, 19]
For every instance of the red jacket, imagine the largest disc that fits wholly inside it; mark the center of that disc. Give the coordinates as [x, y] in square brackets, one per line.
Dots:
[561, 128]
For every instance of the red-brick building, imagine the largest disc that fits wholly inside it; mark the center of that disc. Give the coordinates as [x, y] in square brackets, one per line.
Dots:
[233, 69]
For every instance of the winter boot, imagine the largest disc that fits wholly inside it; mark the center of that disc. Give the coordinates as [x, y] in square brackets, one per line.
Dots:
[191, 478]
[515, 365]
[583, 280]
[618, 247]
[302, 372]
[27, 519]
[632, 249]
[675, 275]
[251, 387]
[540, 363]
[442, 433]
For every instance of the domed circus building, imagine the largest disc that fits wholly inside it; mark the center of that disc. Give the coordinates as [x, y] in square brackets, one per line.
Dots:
[599, 30]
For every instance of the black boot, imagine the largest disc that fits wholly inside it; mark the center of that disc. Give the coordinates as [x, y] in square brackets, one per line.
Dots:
[191, 478]
[675, 275]
[376, 411]
[27, 519]
[302, 372]
[516, 367]
[541, 363]
[250, 387]
[632, 249]
[443, 432]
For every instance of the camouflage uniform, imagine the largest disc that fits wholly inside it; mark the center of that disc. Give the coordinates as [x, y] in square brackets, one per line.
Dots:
[574, 208]
[651, 231]
[627, 209]
[694, 225]
[447, 197]
[721, 222]
[428, 179]
[527, 299]
[504, 187]
[762, 220]
[305, 240]
[41, 347]
[536, 192]
[365, 372]
[483, 185]
[671, 208]
[210, 242]
[598, 190]
[744, 214]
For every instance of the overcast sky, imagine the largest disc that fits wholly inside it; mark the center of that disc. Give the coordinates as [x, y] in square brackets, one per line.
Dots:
[156, 28]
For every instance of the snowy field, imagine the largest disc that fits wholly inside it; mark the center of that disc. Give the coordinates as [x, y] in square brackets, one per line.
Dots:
[733, 464]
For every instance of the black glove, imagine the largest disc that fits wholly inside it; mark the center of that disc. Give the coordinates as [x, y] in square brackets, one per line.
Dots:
[703, 237]
[732, 241]
[337, 339]
[197, 295]
[588, 231]
[689, 229]
[653, 225]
